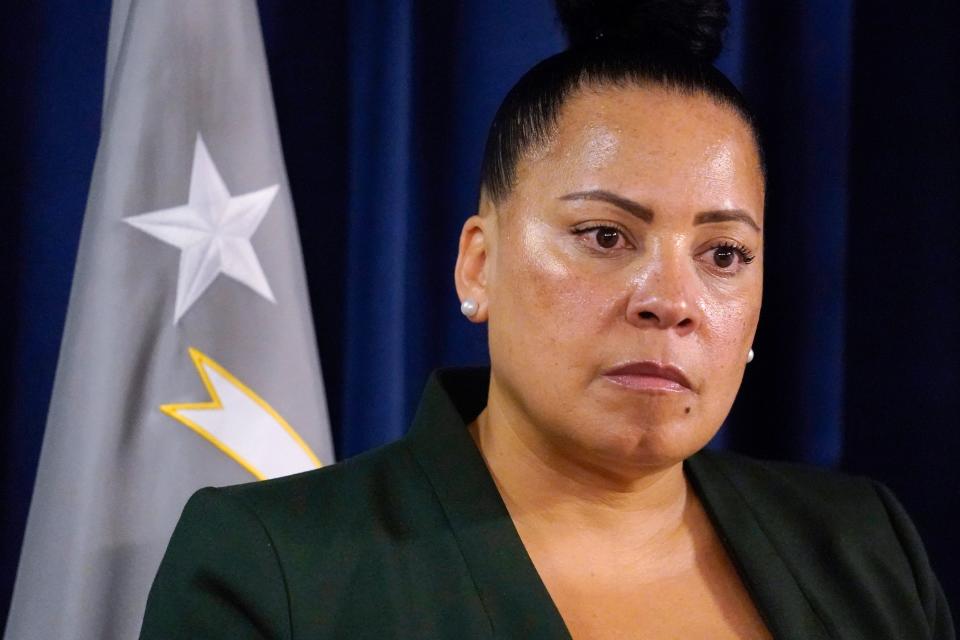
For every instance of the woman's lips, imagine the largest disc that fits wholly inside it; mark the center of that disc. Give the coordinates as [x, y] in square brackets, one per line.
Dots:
[649, 376]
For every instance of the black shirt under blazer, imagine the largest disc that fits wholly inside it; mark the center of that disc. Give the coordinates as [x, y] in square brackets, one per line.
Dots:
[413, 541]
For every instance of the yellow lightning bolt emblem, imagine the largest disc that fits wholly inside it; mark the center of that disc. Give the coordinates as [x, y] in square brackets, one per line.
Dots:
[242, 425]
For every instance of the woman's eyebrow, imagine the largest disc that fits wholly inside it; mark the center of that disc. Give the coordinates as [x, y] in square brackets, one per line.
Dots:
[727, 215]
[631, 207]
[644, 213]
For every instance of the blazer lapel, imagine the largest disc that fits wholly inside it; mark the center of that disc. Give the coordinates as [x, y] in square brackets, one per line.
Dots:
[769, 580]
[512, 593]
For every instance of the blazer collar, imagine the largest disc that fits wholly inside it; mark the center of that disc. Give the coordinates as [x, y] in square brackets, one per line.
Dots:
[771, 582]
[514, 596]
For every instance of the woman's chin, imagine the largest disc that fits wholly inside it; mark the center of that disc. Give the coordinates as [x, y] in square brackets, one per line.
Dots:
[649, 441]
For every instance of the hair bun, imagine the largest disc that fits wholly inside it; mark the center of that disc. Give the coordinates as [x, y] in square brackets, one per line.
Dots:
[692, 26]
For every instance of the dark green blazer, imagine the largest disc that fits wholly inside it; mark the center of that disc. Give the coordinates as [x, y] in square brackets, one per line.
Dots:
[413, 541]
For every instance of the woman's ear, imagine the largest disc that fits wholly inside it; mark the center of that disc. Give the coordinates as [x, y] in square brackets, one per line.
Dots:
[470, 274]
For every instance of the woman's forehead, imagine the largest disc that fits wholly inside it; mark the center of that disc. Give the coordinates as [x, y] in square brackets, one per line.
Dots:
[653, 120]
[653, 143]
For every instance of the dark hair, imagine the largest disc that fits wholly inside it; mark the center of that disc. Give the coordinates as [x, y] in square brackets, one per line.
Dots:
[619, 43]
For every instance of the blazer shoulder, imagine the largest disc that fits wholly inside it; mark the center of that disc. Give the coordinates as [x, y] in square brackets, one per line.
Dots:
[828, 507]
[837, 529]
[776, 480]
[336, 486]
[202, 590]
[363, 501]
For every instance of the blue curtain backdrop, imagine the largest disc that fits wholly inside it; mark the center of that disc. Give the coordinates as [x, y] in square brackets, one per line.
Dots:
[383, 107]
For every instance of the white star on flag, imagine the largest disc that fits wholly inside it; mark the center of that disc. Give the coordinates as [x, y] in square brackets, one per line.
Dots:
[212, 231]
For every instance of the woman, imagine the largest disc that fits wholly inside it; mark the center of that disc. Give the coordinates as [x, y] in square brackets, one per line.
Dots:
[617, 259]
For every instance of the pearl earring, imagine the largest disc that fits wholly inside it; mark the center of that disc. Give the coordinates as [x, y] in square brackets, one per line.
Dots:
[469, 307]
[750, 355]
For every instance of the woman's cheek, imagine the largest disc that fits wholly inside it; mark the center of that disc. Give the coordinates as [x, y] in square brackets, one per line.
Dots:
[729, 325]
[566, 297]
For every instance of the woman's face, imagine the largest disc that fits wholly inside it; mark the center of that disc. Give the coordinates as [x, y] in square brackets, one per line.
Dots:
[622, 277]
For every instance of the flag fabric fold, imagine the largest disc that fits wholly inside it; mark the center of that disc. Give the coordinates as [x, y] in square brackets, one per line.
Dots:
[188, 357]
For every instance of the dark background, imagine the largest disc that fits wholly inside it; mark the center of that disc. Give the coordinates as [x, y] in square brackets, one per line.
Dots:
[382, 109]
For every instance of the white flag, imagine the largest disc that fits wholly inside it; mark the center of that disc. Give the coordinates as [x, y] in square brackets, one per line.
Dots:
[189, 356]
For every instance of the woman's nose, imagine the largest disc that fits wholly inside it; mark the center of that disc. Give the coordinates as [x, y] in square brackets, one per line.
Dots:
[664, 300]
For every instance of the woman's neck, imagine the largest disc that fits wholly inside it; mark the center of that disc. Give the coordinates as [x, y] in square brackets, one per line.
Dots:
[547, 488]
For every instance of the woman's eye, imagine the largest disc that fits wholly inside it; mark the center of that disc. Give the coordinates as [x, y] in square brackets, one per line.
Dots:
[726, 257]
[723, 257]
[607, 237]
[603, 238]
